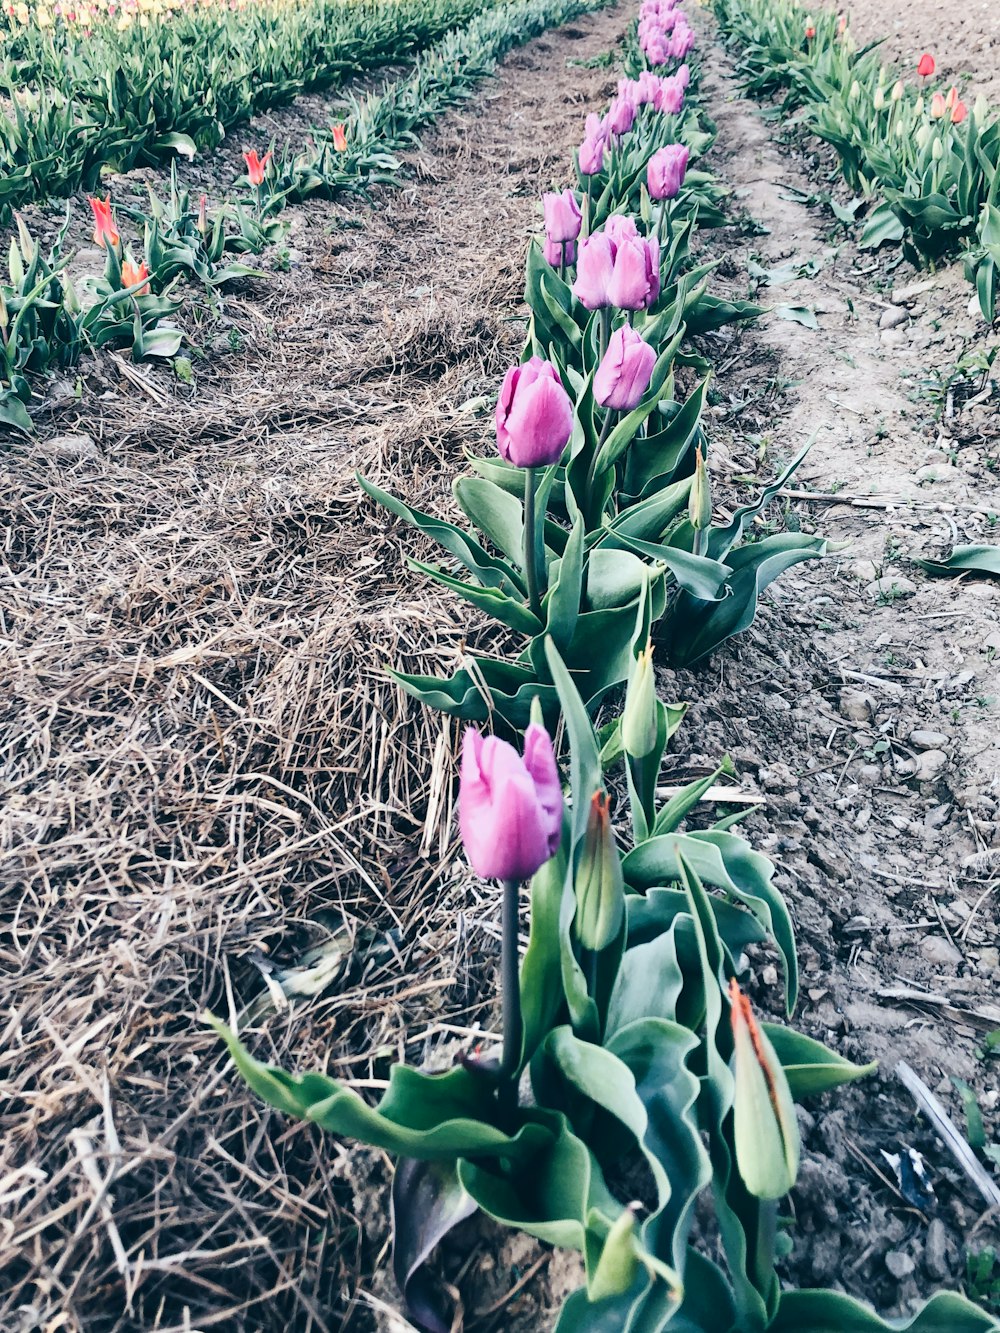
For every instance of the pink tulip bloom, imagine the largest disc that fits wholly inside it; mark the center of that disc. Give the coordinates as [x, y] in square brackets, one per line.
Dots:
[665, 171]
[683, 76]
[594, 268]
[510, 808]
[620, 228]
[620, 116]
[635, 281]
[669, 97]
[591, 156]
[624, 374]
[938, 106]
[563, 218]
[594, 127]
[553, 252]
[534, 416]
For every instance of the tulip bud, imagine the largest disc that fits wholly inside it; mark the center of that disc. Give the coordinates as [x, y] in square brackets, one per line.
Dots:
[594, 267]
[959, 112]
[878, 102]
[980, 108]
[203, 215]
[938, 106]
[639, 717]
[617, 1267]
[700, 498]
[554, 252]
[952, 97]
[925, 65]
[599, 884]
[937, 150]
[855, 91]
[918, 106]
[509, 808]
[923, 136]
[340, 138]
[620, 115]
[534, 416]
[105, 231]
[766, 1132]
[897, 90]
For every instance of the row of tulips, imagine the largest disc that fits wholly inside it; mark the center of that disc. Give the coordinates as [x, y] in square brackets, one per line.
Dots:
[76, 108]
[927, 163]
[47, 323]
[629, 1046]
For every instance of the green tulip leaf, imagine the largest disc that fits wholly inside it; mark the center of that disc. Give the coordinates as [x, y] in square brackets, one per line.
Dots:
[833, 1312]
[809, 1067]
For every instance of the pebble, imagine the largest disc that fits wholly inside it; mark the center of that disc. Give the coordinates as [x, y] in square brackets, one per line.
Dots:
[894, 338]
[940, 951]
[856, 705]
[864, 570]
[937, 816]
[939, 472]
[891, 585]
[930, 765]
[928, 740]
[900, 1265]
[69, 448]
[936, 1251]
[904, 295]
[890, 319]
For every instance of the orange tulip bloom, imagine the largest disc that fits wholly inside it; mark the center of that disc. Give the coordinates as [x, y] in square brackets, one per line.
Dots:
[256, 166]
[133, 274]
[105, 231]
[952, 97]
[959, 112]
[339, 139]
[926, 66]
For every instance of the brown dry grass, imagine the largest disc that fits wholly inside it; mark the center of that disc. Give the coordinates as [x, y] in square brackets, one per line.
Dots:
[207, 774]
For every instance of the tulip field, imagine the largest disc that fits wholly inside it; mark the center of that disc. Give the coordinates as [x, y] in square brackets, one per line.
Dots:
[498, 601]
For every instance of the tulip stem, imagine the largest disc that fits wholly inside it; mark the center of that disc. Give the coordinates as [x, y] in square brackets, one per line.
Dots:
[510, 990]
[530, 567]
[605, 331]
[562, 260]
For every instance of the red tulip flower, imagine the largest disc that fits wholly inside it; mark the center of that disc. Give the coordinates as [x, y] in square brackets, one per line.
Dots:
[105, 231]
[959, 112]
[340, 138]
[256, 166]
[810, 33]
[132, 274]
[925, 65]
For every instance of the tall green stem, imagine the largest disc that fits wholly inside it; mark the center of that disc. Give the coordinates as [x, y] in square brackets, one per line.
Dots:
[605, 331]
[530, 567]
[510, 990]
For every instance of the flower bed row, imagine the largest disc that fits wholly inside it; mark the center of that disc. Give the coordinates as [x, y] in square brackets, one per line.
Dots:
[631, 1061]
[45, 324]
[926, 164]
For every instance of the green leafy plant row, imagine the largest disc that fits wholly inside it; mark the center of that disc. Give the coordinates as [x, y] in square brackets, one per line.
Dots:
[83, 106]
[925, 162]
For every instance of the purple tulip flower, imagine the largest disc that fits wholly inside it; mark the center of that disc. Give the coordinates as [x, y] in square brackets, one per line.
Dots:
[563, 218]
[635, 281]
[534, 415]
[665, 171]
[623, 376]
[510, 808]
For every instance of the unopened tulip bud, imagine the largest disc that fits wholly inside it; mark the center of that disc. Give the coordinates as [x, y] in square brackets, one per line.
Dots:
[980, 108]
[878, 102]
[618, 1265]
[925, 65]
[923, 136]
[918, 106]
[938, 106]
[203, 215]
[599, 884]
[959, 112]
[765, 1130]
[340, 138]
[639, 717]
[855, 91]
[700, 498]
[635, 277]
[897, 90]
[665, 171]
[937, 150]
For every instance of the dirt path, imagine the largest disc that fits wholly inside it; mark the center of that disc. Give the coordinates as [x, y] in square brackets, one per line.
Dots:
[207, 772]
[872, 724]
